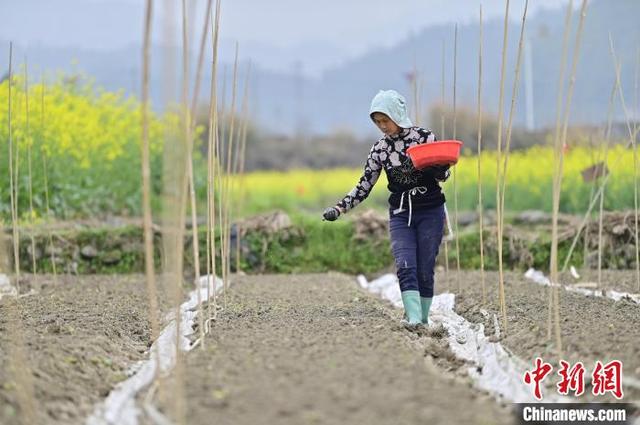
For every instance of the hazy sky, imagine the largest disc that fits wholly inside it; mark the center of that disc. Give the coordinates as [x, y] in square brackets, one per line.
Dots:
[318, 33]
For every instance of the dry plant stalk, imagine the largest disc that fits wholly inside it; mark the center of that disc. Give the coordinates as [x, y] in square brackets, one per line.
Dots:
[480, 209]
[212, 159]
[220, 177]
[175, 259]
[18, 368]
[502, 300]
[192, 190]
[152, 293]
[514, 96]
[455, 186]
[565, 46]
[228, 164]
[558, 176]
[240, 162]
[13, 177]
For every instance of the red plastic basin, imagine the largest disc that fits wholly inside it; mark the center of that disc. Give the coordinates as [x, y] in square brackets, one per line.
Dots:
[445, 152]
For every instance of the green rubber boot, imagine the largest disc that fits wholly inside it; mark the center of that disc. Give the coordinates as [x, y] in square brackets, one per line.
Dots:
[412, 310]
[425, 303]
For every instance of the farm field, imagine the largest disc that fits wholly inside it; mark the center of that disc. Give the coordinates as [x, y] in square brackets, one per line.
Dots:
[213, 220]
[343, 341]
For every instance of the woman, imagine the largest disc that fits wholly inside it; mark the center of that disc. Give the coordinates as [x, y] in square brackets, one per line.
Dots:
[416, 213]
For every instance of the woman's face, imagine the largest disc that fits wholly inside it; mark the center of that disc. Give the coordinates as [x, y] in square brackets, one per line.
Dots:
[385, 124]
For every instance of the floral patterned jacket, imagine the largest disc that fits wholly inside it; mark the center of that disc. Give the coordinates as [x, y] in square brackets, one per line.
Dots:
[390, 154]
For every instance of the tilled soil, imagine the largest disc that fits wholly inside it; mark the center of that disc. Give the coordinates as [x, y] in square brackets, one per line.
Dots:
[81, 335]
[297, 349]
[592, 328]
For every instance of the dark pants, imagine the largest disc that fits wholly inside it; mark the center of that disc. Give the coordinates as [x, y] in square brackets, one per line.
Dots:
[416, 247]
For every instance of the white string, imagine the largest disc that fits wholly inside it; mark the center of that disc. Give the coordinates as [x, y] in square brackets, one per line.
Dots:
[412, 192]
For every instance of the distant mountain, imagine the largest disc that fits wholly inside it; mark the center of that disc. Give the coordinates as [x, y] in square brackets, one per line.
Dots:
[290, 102]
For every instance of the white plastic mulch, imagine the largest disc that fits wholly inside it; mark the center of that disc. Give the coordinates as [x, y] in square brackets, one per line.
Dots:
[120, 406]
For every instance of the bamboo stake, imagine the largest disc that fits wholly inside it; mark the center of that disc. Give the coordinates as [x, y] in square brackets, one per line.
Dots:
[560, 92]
[43, 153]
[13, 179]
[229, 161]
[192, 191]
[455, 186]
[442, 135]
[29, 170]
[240, 155]
[211, 156]
[220, 172]
[499, 158]
[178, 405]
[558, 174]
[152, 292]
[514, 96]
[480, 208]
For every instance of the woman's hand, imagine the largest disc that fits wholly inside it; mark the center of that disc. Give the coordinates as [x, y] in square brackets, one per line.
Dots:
[331, 214]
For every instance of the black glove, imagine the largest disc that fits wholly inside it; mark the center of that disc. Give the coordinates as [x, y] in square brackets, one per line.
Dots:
[331, 214]
[438, 172]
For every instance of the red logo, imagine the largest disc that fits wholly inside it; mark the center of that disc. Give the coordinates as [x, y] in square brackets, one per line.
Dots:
[604, 379]
[538, 374]
[607, 378]
[572, 379]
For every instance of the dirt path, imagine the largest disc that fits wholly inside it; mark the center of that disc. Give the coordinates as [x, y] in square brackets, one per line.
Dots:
[592, 328]
[293, 349]
[82, 335]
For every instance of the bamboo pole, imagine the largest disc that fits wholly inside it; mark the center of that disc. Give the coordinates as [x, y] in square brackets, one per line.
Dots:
[558, 173]
[221, 194]
[192, 190]
[239, 169]
[514, 96]
[43, 154]
[229, 162]
[480, 208]
[212, 159]
[559, 96]
[13, 178]
[455, 186]
[178, 408]
[18, 369]
[29, 168]
[502, 300]
[152, 292]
